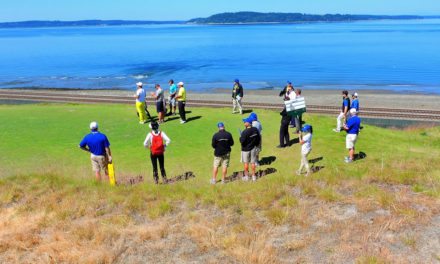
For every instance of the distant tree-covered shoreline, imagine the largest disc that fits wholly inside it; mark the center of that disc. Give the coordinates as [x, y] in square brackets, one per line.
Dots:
[255, 17]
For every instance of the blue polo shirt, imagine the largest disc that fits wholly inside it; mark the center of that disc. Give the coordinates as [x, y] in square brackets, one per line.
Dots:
[355, 104]
[353, 124]
[96, 142]
[345, 103]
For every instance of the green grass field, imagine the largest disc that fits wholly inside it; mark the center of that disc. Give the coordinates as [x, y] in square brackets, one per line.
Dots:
[45, 174]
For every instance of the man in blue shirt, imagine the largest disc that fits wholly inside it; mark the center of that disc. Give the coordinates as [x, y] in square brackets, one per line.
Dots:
[99, 147]
[355, 102]
[344, 111]
[352, 127]
[171, 98]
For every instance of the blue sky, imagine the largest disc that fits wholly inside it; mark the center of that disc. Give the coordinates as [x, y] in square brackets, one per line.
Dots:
[19, 10]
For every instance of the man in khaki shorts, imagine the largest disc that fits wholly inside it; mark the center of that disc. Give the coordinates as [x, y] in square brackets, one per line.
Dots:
[250, 139]
[99, 147]
[222, 142]
[352, 127]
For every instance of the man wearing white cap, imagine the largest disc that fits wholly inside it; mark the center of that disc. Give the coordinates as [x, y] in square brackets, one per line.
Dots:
[352, 127]
[140, 103]
[98, 146]
[181, 101]
[355, 102]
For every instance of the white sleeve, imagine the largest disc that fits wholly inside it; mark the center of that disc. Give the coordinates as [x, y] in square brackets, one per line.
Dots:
[306, 138]
[147, 141]
[166, 138]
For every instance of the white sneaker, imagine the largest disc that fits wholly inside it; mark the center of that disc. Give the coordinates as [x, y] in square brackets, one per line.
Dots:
[245, 178]
[298, 173]
[254, 178]
[335, 130]
[257, 164]
[182, 122]
[213, 182]
[348, 161]
[223, 182]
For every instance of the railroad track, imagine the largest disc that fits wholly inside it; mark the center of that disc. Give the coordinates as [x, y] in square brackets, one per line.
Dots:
[62, 97]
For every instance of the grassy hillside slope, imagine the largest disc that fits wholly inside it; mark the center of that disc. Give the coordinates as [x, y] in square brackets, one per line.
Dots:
[381, 208]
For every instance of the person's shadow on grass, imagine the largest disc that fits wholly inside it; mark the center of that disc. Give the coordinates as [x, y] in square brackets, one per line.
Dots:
[360, 156]
[247, 111]
[267, 160]
[315, 168]
[182, 177]
[239, 174]
[293, 141]
[193, 118]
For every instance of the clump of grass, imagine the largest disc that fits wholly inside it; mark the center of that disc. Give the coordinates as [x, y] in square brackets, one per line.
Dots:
[370, 260]
[277, 216]
[161, 209]
[409, 240]
[328, 194]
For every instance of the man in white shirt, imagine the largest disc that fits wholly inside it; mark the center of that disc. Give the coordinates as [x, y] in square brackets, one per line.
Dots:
[306, 148]
[140, 103]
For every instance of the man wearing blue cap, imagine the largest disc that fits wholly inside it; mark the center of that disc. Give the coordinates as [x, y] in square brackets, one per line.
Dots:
[250, 140]
[237, 95]
[257, 124]
[306, 146]
[222, 142]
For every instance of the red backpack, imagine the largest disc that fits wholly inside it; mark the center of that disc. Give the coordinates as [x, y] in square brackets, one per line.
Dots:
[157, 146]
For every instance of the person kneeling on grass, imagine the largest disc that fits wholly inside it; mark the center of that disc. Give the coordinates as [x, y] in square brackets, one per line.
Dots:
[250, 139]
[99, 147]
[352, 127]
[222, 142]
[306, 142]
[157, 141]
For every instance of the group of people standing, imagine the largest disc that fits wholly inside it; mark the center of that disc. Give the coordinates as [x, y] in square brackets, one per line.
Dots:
[289, 93]
[177, 97]
[251, 146]
[222, 141]
[349, 121]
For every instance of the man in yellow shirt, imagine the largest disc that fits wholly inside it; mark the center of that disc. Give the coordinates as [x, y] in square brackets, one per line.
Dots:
[181, 101]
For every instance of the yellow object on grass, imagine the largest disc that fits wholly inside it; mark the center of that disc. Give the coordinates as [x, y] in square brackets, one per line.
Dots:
[111, 174]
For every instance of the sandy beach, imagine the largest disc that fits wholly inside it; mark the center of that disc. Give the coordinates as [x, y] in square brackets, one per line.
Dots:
[367, 98]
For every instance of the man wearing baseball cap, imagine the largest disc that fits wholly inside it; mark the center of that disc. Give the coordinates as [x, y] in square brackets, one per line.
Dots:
[98, 146]
[352, 127]
[355, 102]
[181, 101]
[140, 103]
[222, 142]
[250, 140]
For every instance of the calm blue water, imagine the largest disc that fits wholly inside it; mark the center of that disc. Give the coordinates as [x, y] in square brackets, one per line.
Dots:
[398, 55]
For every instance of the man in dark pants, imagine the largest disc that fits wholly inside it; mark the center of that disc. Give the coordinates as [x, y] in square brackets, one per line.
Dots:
[181, 101]
[157, 141]
[284, 130]
[298, 119]
[222, 142]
